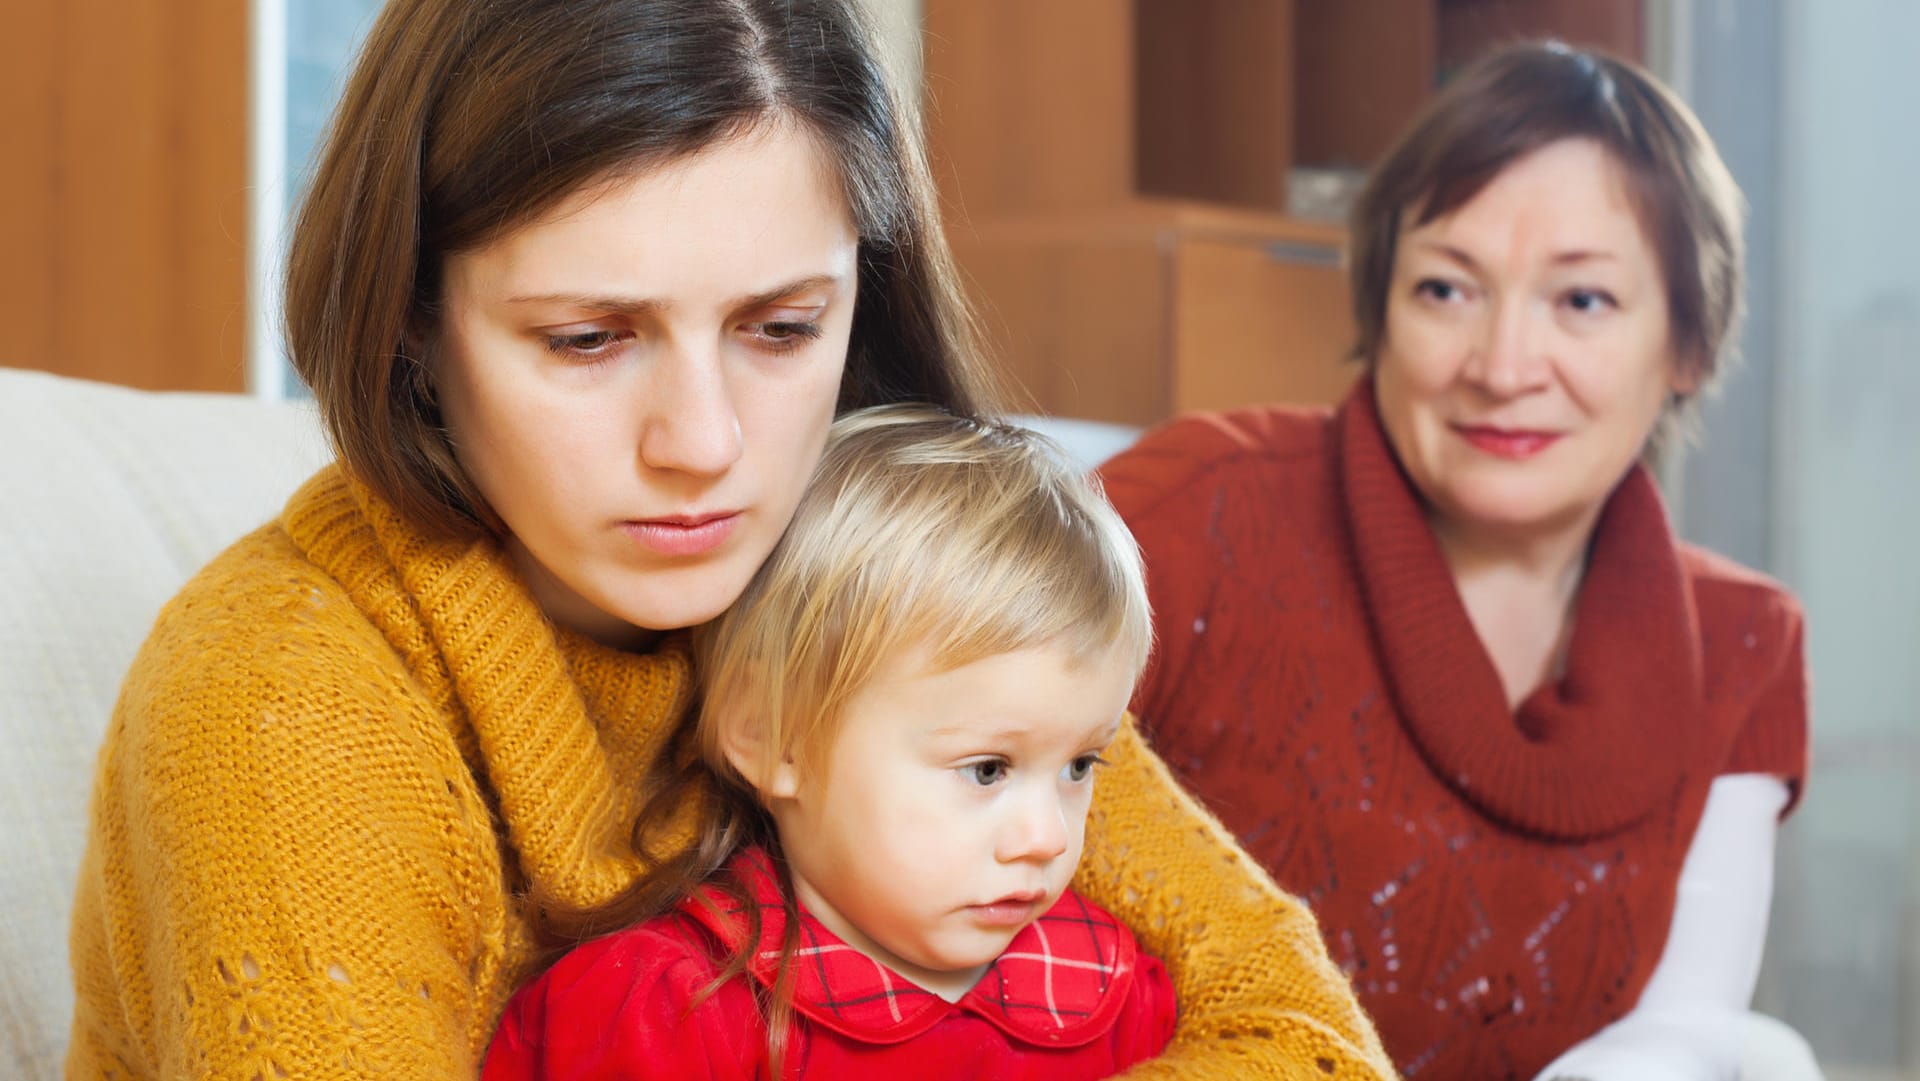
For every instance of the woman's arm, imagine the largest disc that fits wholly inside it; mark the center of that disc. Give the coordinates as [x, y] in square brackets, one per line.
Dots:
[1692, 1023]
[1258, 995]
[290, 872]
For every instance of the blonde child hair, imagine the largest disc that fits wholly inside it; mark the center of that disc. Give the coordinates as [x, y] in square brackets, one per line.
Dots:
[966, 538]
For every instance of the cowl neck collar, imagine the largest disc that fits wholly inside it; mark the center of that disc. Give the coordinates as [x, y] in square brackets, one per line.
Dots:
[1585, 755]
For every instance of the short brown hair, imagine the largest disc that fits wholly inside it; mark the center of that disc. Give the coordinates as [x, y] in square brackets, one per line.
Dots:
[1518, 100]
[464, 119]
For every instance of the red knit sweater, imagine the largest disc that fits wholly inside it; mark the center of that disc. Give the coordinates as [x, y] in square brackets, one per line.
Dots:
[1498, 883]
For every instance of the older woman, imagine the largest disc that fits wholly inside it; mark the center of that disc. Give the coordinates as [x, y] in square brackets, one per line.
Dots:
[1438, 658]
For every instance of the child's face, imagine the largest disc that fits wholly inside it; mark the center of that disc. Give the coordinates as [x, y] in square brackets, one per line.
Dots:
[950, 809]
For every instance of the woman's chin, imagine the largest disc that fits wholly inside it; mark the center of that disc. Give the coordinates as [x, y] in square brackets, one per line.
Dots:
[1514, 510]
[654, 610]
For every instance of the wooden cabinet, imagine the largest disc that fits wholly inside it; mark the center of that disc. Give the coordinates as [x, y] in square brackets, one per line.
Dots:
[1140, 312]
[123, 198]
[1258, 318]
[1114, 174]
[1364, 67]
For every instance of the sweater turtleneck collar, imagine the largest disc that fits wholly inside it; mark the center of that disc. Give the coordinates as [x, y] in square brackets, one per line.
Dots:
[1583, 756]
[559, 727]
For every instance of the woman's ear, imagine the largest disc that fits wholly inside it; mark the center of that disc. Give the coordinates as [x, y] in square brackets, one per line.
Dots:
[1685, 379]
[746, 746]
[418, 344]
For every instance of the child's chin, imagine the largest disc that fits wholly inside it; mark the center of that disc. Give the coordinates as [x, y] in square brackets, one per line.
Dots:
[975, 955]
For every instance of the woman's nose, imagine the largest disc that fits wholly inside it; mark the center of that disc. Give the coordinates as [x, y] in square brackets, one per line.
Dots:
[691, 423]
[1506, 360]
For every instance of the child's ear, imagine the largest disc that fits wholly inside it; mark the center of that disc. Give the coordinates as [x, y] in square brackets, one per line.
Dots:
[785, 782]
[772, 775]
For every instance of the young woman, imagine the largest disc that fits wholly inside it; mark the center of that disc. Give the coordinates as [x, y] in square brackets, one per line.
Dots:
[580, 286]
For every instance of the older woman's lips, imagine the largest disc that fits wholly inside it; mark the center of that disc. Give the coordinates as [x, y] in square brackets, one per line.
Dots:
[1514, 444]
[683, 536]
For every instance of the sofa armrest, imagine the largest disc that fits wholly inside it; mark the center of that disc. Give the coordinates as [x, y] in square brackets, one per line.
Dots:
[112, 498]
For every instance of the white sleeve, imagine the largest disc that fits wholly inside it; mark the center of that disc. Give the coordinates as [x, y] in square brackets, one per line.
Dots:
[1691, 1022]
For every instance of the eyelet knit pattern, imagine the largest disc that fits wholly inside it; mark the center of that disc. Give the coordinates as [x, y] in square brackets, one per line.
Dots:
[1498, 883]
[349, 751]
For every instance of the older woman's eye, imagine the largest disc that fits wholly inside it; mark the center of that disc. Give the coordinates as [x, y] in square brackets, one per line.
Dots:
[1590, 300]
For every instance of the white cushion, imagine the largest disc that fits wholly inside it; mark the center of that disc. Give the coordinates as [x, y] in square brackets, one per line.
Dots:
[112, 498]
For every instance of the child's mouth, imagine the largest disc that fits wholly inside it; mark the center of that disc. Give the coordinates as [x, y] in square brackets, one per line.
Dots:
[1010, 911]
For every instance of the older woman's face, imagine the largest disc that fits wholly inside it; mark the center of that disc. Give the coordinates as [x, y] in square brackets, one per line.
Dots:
[1528, 352]
[640, 383]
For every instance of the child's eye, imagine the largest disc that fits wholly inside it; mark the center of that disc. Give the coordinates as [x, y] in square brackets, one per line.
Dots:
[989, 772]
[1081, 768]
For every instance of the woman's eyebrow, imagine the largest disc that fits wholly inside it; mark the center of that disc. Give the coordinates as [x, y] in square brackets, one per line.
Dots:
[626, 305]
[606, 302]
[1560, 258]
[815, 281]
[1583, 255]
[1448, 251]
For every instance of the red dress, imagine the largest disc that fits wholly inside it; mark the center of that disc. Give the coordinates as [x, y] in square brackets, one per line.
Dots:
[1072, 997]
[1498, 883]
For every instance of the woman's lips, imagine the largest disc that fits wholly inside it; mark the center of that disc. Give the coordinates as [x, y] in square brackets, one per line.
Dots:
[689, 535]
[1514, 444]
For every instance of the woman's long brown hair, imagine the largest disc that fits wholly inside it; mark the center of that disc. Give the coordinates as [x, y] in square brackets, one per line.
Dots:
[464, 119]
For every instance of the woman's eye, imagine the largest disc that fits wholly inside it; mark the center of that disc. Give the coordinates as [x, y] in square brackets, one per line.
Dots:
[781, 336]
[1437, 289]
[591, 343]
[990, 772]
[1589, 300]
[1081, 768]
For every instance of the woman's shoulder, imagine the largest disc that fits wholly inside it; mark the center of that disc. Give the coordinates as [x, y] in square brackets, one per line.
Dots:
[1203, 450]
[259, 632]
[1726, 590]
[259, 595]
[1752, 629]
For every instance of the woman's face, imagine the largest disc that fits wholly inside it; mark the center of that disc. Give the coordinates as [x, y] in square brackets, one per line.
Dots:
[1528, 352]
[641, 381]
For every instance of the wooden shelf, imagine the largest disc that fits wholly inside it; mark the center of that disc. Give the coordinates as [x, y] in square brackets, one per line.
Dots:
[1114, 173]
[1135, 313]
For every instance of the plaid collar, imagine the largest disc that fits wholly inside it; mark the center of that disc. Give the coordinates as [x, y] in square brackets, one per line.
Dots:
[1061, 982]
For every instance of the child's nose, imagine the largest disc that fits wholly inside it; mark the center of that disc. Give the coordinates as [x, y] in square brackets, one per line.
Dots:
[1037, 831]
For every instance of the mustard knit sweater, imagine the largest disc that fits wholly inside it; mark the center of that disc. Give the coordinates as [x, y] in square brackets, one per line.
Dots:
[346, 751]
